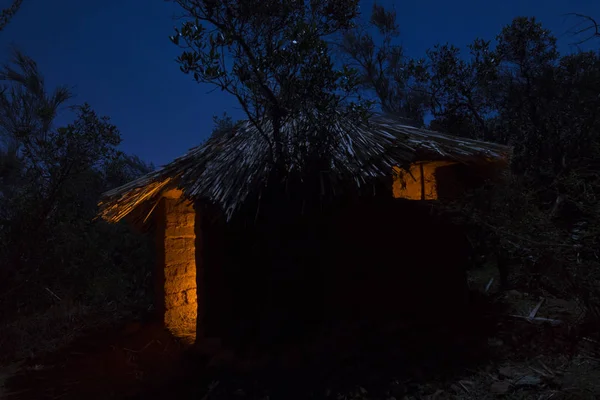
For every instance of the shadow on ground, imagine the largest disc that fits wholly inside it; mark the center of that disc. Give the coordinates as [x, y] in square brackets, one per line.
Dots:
[143, 361]
[114, 363]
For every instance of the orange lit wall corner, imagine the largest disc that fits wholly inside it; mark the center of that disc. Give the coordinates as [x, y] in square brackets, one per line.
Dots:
[176, 285]
[419, 182]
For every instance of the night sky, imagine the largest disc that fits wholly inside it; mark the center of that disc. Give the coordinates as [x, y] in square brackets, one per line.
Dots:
[117, 56]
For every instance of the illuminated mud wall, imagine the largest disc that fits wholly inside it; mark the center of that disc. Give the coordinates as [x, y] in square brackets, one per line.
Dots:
[176, 284]
[419, 183]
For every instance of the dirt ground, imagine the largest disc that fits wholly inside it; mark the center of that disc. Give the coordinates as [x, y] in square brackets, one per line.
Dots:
[105, 364]
[502, 354]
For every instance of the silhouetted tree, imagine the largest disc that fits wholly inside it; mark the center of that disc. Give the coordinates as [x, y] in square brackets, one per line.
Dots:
[587, 29]
[51, 178]
[521, 91]
[8, 13]
[273, 57]
[383, 68]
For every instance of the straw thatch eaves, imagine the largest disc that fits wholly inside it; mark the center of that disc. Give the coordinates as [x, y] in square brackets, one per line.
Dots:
[228, 167]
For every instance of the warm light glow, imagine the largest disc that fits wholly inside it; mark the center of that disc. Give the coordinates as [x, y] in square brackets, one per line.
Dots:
[173, 194]
[181, 302]
[419, 182]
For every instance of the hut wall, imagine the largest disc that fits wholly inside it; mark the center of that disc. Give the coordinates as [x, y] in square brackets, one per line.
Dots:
[453, 180]
[360, 262]
[393, 257]
[176, 271]
[213, 292]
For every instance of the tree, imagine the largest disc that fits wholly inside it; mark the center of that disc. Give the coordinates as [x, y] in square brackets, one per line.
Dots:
[273, 57]
[460, 89]
[52, 248]
[27, 111]
[383, 68]
[122, 169]
[499, 93]
[587, 29]
[8, 13]
[223, 125]
[520, 90]
[526, 92]
[51, 176]
[49, 156]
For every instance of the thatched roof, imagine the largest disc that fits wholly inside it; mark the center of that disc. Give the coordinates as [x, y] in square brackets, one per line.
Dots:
[229, 167]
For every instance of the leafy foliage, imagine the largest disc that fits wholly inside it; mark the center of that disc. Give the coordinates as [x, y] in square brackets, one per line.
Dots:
[51, 249]
[223, 125]
[8, 13]
[521, 91]
[274, 58]
[384, 68]
[460, 90]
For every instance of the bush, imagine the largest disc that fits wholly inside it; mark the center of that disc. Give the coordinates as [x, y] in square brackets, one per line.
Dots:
[551, 245]
[61, 270]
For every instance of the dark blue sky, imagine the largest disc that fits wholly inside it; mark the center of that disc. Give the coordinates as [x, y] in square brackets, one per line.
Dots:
[117, 56]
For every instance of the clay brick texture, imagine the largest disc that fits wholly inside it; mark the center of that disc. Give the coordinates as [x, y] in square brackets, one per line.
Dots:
[177, 265]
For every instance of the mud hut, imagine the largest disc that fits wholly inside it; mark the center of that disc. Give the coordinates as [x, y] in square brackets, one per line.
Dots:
[241, 257]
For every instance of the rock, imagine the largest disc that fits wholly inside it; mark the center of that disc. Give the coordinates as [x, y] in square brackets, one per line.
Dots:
[398, 390]
[500, 387]
[457, 389]
[439, 394]
[528, 380]
[495, 342]
[513, 294]
[509, 372]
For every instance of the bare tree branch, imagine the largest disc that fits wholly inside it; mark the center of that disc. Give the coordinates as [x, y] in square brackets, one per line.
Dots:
[8, 13]
[591, 28]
